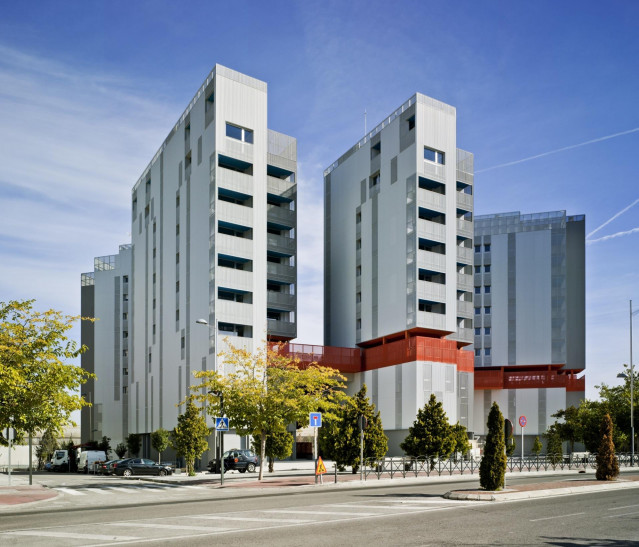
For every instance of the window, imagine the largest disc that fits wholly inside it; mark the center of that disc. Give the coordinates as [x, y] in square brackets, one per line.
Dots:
[149, 358]
[183, 342]
[125, 334]
[153, 334]
[125, 279]
[487, 247]
[154, 252]
[487, 330]
[124, 390]
[125, 371]
[358, 271]
[155, 227]
[125, 353]
[373, 180]
[358, 324]
[477, 353]
[125, 316]
[239, 133]
[487, 352]
[478, 248]
[153, 277]
[477, 331]
[376, 150]
[477, 269]
[177, 201]
[358, 297]
[125, 297]
[477, 290]
[487, 310]
[487, 268]
[358, 218]
[177, 230]
[177, 315]
[487, 289]
[177, 286]
[358, 244]
[154, 303]
[411, 123]
[477, 311]
[433, 155]
[177, 258]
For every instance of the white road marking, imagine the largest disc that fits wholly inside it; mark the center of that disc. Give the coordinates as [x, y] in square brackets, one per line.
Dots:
[121, 489]
[624, 507]
[622, 515]
[70, 535]
[557, 517]
[167, 526]
[193, 487]
[431, 501]
[314, 512]
[355, 506]
[99, 491]
[69, 491]
[247, 519]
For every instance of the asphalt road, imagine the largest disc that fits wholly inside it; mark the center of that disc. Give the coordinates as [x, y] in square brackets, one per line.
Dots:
[390, 515]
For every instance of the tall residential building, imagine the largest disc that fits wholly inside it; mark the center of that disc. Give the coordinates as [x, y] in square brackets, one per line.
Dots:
[213, 237]
[398, 263]
[529, 316]
[105, 296]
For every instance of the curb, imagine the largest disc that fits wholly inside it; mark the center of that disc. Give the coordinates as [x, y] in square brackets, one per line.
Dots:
[531, 494]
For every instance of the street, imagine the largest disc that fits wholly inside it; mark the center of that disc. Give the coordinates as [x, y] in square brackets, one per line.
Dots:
[386, 515]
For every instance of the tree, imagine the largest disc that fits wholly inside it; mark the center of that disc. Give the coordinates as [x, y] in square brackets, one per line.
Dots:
[120, 450]
[133, 442]
[460, 435]
[430, 435]
[607, 465]
[160, 441]
[38, 387]
[279, 445]
[105, 445]
[537, 447]
[267, 390]
[492, 469]
[570, 429]
[189, 436]
[341, 438]
[48, 445]
[554, 448]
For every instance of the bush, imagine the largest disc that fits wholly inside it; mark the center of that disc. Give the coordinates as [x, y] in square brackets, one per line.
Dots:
[607, 465]
[536, 448]
[492, 469]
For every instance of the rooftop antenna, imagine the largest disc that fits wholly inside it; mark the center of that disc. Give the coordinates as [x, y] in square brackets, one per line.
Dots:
[364, 122]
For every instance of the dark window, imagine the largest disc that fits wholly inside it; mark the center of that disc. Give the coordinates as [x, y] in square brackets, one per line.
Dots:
[477, 352]
[487, 352]
[487, 310]
[487, 330]
[433, 155]
[239, 133]
[487, 269]
[487, 248]
[477, 311]
[477, 290]
[411, 123]
[487, 289]
[477, 331]
[478, 248]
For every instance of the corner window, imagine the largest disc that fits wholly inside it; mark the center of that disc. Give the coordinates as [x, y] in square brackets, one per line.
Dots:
[436, 156]
[239, 133]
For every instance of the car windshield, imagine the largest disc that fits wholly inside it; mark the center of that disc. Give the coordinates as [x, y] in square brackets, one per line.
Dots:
[60, 454]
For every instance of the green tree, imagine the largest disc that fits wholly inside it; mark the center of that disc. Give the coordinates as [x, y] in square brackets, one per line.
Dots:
[430, 435]
[48, 445]
[569, 428]
[554, 447]
[341, 437]
[120, 450]
[189, 438]
[607, 465]
[160, 439]
[279, 445]
[105, 445]
[133, 442]
[537, 447]
[461, 439]
[492, 470]
[38, 387]
[267, 390]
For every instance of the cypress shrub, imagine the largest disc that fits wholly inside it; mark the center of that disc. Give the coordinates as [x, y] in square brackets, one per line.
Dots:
[492, 469]
[607, 465]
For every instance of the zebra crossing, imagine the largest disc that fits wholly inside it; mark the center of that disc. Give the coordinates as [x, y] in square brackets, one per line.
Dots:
[141, 488]
[180, 528]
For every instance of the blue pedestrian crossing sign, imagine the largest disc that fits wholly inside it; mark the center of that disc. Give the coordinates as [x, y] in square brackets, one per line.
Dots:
[222, 424]
[315, 419]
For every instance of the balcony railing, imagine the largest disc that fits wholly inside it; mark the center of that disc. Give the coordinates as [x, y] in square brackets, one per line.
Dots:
[428, 229]
[234, 213]
[284, 329]
[235, 181]
[431, 291]
[274, 298]
[281, 244]
[465, 308]
[465, 200]
[464, 282]
[465, 255]
[279, 187]
[430, 320]
[426, 198]
[464, 227]
[279, 215]
[428, 260]
[280, 272]
[234, 246]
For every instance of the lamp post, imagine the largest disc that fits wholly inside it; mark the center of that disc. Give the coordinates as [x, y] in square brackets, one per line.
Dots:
[632, 393]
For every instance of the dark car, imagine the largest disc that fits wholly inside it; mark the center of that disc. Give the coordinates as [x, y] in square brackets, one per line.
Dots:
[237, 460]
[141, 466]
[107, 468]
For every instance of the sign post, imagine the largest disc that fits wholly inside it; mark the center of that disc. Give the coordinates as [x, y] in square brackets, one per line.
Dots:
[315, 421]
[522, 424]
[221, 425]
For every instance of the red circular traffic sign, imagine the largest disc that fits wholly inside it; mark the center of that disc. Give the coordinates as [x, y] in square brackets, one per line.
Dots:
[522, 421]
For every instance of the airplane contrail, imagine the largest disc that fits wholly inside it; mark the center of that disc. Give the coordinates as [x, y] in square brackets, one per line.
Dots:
[612, 218]
[612, 236]
[543, 154]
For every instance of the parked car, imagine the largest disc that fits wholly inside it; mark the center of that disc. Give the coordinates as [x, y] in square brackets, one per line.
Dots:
[236, 460]
[106, 468]
[141, 466]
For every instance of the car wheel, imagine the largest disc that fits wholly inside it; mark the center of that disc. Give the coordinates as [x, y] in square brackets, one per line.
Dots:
[127, 473]
[251, 468]
[162, 473]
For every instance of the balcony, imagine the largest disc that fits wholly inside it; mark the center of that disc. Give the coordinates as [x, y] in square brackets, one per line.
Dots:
[236, 149]
[235, 181]
[280, 301]
[234, 246]
[488, 300]
[431, 291]
[431, 230]
[464, 282]
[463, 335]
[465, 201]
[234, 279]
[431, 261]
[233, 312]
[464, 228]
[281, 329]
[281, 216]
[279, 187]
[428, 199]
[234, 214]
[465, 255]
[280, 272]
[281, 244]
[465, 309]
[427, 320]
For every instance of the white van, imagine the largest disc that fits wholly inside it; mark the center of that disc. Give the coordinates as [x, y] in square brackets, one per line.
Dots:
[60, 460]
[88, 458]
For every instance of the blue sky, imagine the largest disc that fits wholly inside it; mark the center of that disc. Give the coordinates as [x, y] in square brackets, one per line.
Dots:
[89, 90]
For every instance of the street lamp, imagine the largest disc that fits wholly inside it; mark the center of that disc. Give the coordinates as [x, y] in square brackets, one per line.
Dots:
[632, 393]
